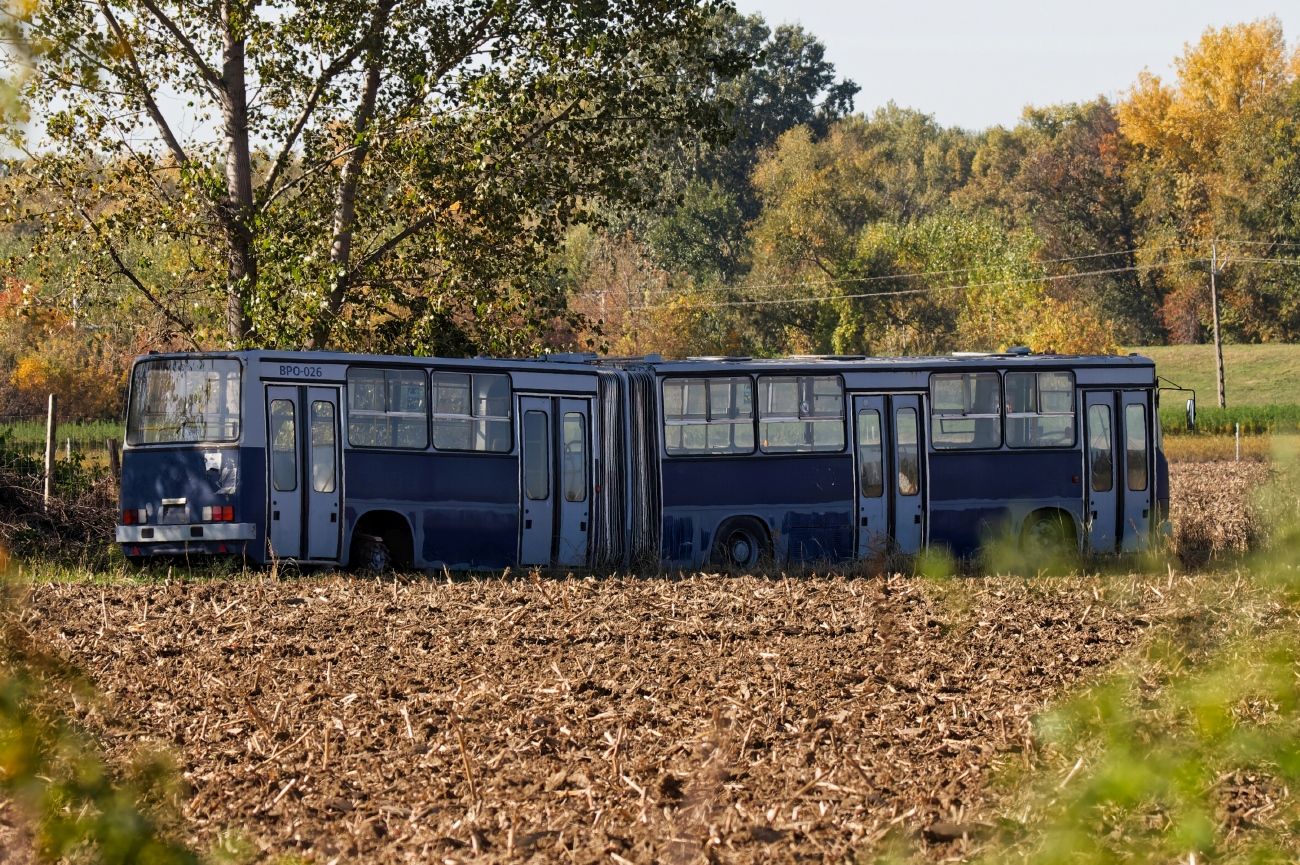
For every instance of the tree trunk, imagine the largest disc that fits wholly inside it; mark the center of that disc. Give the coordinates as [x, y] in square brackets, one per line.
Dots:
[345, 205]
[241, 276]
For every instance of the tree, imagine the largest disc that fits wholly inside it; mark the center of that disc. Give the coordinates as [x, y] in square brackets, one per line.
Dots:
[1227, 94]
[380, 174]
[1062, 172]
[708, 198]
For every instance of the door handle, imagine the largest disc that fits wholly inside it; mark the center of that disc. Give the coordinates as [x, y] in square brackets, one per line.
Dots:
[582, 527]
[864, 521]
[917, 519]
[1094, 515]
[528, 524]
[334, 518]
[275, 515]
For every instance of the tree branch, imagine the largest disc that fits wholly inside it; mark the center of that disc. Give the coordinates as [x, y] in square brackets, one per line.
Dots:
[150, 104]
[184, 327]
[214, 81]
[309, 106]
[315, 169]
[393, 242]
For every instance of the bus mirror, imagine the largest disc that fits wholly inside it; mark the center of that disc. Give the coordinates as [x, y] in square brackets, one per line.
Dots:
[1191, 414]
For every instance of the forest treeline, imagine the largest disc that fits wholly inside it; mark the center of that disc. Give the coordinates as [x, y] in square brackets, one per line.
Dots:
[515, 176]
[1084, 227]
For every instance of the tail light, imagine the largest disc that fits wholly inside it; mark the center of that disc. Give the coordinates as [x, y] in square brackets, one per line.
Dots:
[134, 516]
[218, 514]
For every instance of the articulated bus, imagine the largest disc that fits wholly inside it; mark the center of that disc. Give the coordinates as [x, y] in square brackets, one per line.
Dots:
[574, 461]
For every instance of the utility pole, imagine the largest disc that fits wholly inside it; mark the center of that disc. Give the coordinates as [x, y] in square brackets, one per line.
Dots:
[1216, 271]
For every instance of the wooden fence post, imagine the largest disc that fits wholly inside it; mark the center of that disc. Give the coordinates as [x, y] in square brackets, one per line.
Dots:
[51, 424]
[114, 461]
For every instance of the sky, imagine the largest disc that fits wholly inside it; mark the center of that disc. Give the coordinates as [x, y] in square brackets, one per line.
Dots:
[976, 64]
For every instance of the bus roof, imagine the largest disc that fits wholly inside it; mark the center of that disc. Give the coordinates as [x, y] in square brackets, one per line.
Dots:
[576, 362]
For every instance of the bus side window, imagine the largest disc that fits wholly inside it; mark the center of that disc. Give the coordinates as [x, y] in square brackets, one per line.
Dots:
[708, 415]
[471, 412]
[965, 410]
[537, 456]
[1135, 434]
[1040, 409]
[322, 446]
[909, 462]
[284, 446]
[1100, 449]
[801, 414]
[387, 408]
[870, 456]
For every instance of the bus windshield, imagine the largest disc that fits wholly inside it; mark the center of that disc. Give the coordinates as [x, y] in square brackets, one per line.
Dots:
[184, 400]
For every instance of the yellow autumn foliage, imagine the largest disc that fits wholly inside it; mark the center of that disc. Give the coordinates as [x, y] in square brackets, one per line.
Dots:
[1061, 327]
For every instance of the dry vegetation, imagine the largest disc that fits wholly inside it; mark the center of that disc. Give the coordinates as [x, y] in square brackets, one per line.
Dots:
[1212, 508]
[1217, 448]
[660, 718]
[613, 719]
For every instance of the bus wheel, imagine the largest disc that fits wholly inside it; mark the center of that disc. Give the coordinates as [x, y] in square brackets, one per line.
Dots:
[1049, 533]
[740, 544]
[373, 554]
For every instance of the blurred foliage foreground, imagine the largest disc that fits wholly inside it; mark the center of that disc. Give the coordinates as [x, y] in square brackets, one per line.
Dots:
[1188, 749]
[80, 809]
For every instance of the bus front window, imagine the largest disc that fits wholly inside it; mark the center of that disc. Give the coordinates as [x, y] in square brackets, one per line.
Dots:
[184, 400]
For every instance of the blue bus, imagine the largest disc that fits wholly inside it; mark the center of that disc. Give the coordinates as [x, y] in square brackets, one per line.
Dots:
[573, 461]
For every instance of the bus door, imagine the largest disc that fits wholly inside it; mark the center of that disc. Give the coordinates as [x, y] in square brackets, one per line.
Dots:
[1100, 458]
[1138, 471]
[555, 500]
[909, 507]
[888, 459]
[304, 471]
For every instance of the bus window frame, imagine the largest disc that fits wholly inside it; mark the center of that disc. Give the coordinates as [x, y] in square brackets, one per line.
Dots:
[238, 441]
[845, 411]
[386, 449]
[932, 413]
[664, 423]
[1008, 415]
[434, 416]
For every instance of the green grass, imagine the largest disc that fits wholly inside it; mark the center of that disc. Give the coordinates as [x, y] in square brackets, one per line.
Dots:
[86, 435]
[1254, 375]
[1254, 420]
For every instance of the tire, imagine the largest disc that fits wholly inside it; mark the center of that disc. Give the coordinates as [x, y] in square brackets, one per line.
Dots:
[1049, 533]
[740, 545]
[372, 554]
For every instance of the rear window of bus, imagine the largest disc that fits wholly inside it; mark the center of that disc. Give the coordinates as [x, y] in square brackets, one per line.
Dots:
[177, 400]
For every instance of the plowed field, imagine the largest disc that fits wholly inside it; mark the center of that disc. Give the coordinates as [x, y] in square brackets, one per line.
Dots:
[585, 720]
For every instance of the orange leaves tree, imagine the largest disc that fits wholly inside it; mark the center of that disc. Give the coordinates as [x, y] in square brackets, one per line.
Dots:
[1214, 154]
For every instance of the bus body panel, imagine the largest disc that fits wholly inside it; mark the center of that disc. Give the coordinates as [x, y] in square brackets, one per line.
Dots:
[979, 496]
[806, 500]
[463, 506]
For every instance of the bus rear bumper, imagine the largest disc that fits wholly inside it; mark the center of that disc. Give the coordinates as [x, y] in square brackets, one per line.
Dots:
[187, 533]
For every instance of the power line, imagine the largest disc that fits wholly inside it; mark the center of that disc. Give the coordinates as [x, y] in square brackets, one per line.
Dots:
[1230, 259]
[912, 275]
[961, 287]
